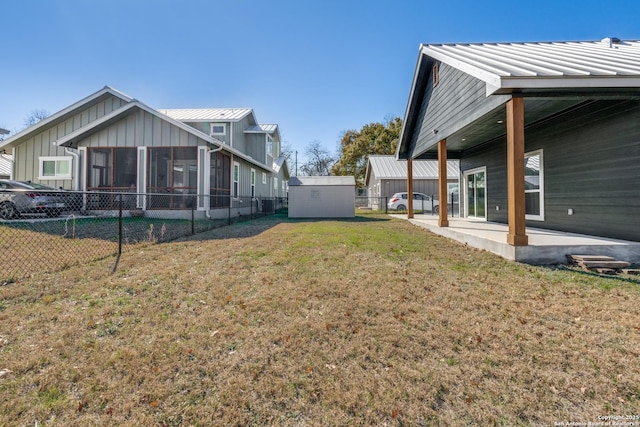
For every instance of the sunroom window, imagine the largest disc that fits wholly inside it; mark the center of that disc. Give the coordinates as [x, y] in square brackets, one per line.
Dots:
[55, 167]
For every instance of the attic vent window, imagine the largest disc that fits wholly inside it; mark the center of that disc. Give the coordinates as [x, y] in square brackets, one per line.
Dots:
[218, 129]
[436, 75]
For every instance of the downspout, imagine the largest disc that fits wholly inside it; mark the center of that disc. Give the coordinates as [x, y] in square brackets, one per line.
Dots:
[207, 212]
[12, 162]
[76, 156]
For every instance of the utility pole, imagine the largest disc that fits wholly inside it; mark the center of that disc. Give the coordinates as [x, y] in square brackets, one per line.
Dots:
[296, 162]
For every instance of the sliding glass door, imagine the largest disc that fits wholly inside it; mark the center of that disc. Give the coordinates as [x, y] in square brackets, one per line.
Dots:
[475, 185]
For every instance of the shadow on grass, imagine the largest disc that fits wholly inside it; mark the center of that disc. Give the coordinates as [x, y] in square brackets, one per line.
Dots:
[613, 277]
[257, 226]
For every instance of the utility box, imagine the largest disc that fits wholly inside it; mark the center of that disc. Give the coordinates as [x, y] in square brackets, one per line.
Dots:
[322, 197]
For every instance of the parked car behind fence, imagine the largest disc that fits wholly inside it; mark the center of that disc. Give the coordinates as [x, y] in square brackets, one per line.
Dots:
[421, 202]
[21, 198]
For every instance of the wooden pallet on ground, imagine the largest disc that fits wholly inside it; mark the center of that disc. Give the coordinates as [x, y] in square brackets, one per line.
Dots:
[600, 263]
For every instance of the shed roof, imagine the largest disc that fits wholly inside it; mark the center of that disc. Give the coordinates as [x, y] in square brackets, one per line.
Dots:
[262, 128]
[608, 63]
[295, 181]
[207, 114]
[387, 167]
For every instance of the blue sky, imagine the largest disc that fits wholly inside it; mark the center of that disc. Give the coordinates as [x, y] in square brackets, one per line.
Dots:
[317, 68]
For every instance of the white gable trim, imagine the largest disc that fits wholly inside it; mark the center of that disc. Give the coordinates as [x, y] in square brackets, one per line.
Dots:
[52, 118]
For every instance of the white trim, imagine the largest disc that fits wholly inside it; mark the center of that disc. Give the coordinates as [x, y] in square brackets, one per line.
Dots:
[466, 196]
[142, 180]
[252, 182]
[268, 153]
[83, 169]
[540, 184]
[56, 176]
[12, 173]
[236, 189]
[203, 172]
[43, 123]
[212, 125]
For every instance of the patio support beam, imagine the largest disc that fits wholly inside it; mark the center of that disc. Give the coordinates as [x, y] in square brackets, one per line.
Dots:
[443, 220]
[409, 188]
[517, 235]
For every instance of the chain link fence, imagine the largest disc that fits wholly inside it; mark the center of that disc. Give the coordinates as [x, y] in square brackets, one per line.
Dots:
[47, 231]
[385, 205]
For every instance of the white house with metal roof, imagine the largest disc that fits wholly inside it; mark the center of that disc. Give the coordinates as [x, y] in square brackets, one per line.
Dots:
[547, 134]
[110, 142]
[385, 176]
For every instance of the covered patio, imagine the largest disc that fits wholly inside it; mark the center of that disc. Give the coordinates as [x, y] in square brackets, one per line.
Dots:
[545, 246]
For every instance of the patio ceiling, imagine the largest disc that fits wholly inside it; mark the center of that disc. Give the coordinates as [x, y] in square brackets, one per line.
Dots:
[492, 125]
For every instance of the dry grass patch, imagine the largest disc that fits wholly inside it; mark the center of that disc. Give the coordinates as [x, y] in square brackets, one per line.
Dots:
[278, 322]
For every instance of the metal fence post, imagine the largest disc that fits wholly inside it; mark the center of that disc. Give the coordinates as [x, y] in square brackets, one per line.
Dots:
[386, 204]
[120, 226]
[230, 202]
[193, 219]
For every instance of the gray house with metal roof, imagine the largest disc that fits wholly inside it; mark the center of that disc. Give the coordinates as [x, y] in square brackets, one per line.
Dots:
[110, 142]
[385, 176]
[547, 134]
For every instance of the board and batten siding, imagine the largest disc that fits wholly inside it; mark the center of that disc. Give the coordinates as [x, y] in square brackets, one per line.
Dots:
[591, 164]
[27, 154]
[456, 101]
[142, 129]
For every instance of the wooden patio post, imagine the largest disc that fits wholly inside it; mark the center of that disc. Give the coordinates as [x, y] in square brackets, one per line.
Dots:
[409, 188]
[515, 173]
[443, 220]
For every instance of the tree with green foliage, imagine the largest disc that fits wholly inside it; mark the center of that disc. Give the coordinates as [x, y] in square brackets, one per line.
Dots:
[357, 146]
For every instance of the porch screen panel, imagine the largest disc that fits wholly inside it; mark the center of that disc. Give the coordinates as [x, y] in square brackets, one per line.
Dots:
[125, 167]
[99, 165]
[173, 171]
[220, 180]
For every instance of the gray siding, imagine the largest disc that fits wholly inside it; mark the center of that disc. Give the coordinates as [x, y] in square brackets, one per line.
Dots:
[42, 144]
[205, 127]
[142, 129]
[255, 146]
[456, 101]
[591, 159]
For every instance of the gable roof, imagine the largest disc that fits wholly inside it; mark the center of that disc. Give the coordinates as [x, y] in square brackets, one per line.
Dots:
[608, 63]
[207, 114]
[551, 76]
[387, 167]
[107, 120]
[64, 114]
[296, 181]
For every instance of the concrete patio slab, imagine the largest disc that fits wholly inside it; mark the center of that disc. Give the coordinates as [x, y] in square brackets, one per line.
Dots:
[545, 246]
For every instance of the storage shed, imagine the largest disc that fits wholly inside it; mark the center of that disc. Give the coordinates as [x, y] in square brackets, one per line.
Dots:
[322, 197]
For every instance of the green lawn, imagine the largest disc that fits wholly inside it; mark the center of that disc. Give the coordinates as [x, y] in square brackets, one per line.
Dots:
[370, 321]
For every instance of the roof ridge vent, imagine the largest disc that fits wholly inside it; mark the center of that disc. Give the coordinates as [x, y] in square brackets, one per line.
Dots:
[611, 41]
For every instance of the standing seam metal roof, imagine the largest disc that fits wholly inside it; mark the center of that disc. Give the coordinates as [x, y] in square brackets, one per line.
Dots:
[262, 128]
[609, 63]
[548, 59]
[387, 167]
[206, 114]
